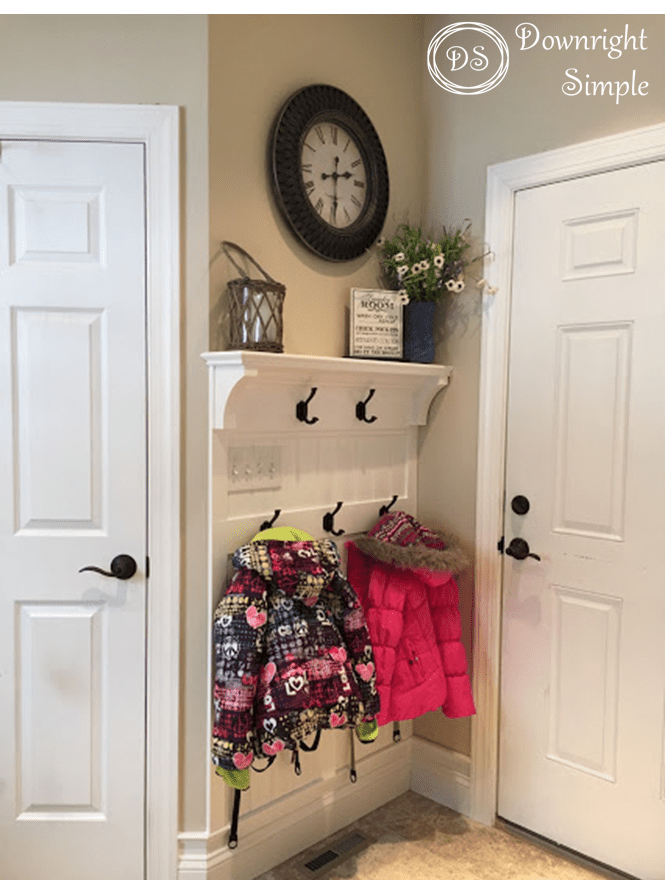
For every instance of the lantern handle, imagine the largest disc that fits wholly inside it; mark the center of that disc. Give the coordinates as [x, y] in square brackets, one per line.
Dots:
[227, 244]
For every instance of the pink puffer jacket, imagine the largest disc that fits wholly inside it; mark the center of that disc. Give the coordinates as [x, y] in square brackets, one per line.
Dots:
[403, 575]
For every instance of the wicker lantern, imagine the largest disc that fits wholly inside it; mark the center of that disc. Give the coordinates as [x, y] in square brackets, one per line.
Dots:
[255, 308]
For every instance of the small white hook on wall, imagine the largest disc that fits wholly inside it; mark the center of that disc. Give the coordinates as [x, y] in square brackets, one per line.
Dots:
[484, 283]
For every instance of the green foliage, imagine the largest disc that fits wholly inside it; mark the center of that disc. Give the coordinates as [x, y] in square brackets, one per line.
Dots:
[422, 266]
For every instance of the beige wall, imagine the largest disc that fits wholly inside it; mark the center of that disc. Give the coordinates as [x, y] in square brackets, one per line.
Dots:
[256, 63]
[527, 113]
[158, 59]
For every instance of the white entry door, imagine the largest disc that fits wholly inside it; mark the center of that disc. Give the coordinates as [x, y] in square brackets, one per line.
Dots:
[72, 495]
[583, 652]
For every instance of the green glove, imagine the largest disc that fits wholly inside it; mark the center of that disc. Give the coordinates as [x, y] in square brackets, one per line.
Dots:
[367, 731]
[234, 778]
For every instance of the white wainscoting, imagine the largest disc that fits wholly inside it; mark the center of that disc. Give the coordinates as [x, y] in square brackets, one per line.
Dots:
[282, 828]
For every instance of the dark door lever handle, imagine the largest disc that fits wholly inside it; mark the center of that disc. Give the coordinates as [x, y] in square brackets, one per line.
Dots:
[122, 567]
[519, 549]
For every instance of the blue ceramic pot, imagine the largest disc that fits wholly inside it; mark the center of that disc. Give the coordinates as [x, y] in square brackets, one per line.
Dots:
[419, 332]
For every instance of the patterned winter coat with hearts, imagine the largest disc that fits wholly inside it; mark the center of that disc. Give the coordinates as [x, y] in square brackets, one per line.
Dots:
[293, 653]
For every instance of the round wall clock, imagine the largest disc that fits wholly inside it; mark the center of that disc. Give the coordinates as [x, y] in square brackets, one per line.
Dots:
[329, 172]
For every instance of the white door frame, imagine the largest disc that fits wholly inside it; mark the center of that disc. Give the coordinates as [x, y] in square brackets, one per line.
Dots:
[156, 127]
[504, 180]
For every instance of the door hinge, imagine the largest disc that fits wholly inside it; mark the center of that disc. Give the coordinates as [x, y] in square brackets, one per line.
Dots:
[500, 545]
[147, 566]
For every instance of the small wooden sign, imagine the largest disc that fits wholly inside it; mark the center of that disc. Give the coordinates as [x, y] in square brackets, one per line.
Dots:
[376, 324]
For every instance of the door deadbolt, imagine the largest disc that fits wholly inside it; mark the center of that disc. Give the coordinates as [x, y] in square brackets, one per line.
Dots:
[520, 505]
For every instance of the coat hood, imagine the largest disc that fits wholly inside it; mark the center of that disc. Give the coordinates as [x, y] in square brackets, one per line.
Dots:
[296, 568]
[400, 540]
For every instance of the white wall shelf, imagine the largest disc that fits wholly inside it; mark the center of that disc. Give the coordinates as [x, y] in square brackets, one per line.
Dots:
[409, 388]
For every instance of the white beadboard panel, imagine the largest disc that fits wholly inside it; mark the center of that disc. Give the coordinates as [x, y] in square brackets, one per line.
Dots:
[55, 225]
[597, 246]
[584, 680]
[60, 710]
[319, 470]
[593, 401]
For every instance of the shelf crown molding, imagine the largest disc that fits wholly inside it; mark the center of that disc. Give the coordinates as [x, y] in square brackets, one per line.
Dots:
[416, 384]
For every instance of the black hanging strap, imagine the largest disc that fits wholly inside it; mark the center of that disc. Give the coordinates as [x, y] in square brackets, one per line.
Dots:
[397, 736]
[271, 760]
[295, 759]
[315, 743]
[352, 771]
[233, 833]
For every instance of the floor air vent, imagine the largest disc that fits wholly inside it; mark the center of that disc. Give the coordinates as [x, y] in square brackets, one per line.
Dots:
[341, 850]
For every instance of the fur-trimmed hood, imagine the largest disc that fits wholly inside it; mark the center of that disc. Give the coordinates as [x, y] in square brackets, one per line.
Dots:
[399, 540]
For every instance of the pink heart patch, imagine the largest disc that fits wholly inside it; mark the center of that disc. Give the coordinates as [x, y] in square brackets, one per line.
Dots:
[255, 618]
[338, 654]
[365, 670]
[273, 748]
[337, 720]
[268, 672]
[241, 761]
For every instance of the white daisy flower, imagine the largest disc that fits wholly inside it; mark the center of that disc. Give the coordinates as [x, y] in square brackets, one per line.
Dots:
[404, 297]
[416, 269]
[402, 271]
[399, 258]
[424, 265]
[439, 261]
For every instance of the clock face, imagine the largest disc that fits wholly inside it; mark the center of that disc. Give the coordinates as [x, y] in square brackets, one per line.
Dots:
[334, 174]
[329, 172]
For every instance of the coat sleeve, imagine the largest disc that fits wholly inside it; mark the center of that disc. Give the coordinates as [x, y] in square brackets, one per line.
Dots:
[444, 601]
[238, 636]
[353, 626]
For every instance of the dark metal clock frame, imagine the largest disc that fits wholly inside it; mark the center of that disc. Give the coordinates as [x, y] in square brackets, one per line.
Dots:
[304, 109]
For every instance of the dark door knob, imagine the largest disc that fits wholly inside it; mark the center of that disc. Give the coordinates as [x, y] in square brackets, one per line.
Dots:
[519, 549]
[520, 505]
[122, 567]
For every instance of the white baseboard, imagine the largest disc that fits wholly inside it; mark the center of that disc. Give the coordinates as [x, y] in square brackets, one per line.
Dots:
[285, 827]
[441, 774]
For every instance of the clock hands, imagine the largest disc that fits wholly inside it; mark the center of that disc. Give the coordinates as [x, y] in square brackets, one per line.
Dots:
[335, 175]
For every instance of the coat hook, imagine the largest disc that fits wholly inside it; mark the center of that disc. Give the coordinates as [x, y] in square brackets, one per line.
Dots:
[301, 409]
[329, 521]
[386, 507]
[361, 413]
[268, 525]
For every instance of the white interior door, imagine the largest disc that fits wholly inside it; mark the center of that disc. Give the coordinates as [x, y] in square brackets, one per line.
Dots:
[583, 651]
[72, 494]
